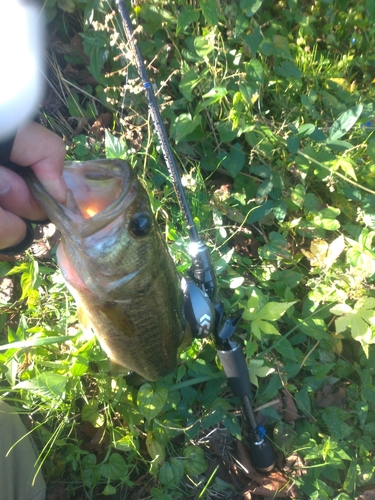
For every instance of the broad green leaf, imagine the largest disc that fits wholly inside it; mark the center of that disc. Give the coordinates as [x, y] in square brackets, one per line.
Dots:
[236, 282]
[5, 269]
[171, 472]
[151, 401]
[251, 306]
[334, 251]
[289, 70]
[281, 47]
[203, 45]
[266, 327]
[370, 7]
[156, 17]
[359, 326]
[256, 369]
[292, 144]
[276, 248]
[298, 195]
[155, 449]
[96, 44]
[305, 130]
[371, 148]
[115, 469]
[195, 463]
[350, 479]
[90, 413]
[334, 418]
[159, 495]
[209, 9]
[346, 166]
[79, 367]
[187, 84]
[226, 131]
[90, 471]
[280, 210]
[242, 25]
[345, 122]
[114, 147]
[125, 443]
[366, 303]
[67, 5]
[338, 145]
[187, 16]
[248, 94]
[224, 260]
[185, 124]
[341, 324]
[214, 95]
[255, 72]
[73, 105]
[109, 490]
[253, 40]
[366, 238]
[326, 219]
[255, 330]
[285, 348]
[361, 259]
[273, 310]
[233, 161]
[303, 401]
[340, 309]
[262, 171]
[29, 279]
[47, 385]
[250, 6]
[264, 189]
[360, 320]
[260, 211]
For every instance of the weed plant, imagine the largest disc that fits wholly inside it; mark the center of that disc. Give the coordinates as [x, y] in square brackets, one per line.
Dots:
[270, 111]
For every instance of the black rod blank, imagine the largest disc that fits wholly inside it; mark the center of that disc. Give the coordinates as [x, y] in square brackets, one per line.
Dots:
[158, 123]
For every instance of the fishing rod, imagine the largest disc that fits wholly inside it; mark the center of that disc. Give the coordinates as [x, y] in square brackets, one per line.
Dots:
[204, 313]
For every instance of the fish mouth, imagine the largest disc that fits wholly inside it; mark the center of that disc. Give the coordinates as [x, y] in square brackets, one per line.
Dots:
[99, 193]
[87, 209]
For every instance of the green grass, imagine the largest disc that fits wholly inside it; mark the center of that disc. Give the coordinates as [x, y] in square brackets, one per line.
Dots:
[270, 112]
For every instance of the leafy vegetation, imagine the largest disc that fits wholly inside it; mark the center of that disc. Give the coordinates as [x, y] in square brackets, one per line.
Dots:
[270, 111]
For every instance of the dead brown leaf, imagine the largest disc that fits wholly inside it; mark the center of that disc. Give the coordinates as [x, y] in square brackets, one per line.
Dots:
[272, 485]
[367, 495]
[290, 412]
[331, 395]
[102, 122]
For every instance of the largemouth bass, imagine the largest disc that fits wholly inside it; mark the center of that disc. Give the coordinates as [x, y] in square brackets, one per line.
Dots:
[117, 265]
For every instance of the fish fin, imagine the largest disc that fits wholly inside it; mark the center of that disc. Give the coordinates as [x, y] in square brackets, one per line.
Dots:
[84, 321]
[117, 318]
[117, 370]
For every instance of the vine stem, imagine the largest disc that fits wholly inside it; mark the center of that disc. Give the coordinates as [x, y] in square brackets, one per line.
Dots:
[353, 183]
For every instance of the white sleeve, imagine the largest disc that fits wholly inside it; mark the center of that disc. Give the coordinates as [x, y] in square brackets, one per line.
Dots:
[21, 61]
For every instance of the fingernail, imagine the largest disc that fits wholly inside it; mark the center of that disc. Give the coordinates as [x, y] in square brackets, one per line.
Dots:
[4, 186]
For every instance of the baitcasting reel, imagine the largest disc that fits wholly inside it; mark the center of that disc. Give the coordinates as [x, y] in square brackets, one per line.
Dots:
[203, 311]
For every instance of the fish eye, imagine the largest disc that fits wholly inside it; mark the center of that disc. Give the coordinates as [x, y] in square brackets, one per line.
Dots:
[140, 225]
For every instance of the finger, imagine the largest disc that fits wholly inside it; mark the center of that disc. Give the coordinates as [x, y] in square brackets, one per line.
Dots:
[44, 151]
[16, 197]
[12, 229]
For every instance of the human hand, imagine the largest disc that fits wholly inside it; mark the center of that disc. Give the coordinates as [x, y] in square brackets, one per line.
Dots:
[44, 152]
